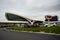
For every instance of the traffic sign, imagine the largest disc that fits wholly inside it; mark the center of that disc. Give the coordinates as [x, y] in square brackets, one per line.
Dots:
[48, 16]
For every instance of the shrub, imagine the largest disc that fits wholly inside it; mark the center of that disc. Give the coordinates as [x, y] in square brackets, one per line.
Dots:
[52, 29]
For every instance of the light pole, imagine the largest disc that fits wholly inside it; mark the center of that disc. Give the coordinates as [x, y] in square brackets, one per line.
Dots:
[48, 23]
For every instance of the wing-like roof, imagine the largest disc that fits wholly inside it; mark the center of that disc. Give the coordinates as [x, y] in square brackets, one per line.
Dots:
[14, 17]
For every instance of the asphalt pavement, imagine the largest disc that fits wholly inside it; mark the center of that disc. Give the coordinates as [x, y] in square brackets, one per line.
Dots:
[14, 35]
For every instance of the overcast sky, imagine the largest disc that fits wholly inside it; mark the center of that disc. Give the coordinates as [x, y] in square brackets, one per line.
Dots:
[34, 9]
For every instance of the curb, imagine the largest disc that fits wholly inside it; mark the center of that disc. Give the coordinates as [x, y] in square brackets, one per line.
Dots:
[32, 32]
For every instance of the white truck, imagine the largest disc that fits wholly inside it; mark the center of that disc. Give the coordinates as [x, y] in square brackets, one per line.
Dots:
[51, 24]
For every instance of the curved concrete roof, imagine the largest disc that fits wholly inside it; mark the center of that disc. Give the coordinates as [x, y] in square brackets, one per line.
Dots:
[29, 20]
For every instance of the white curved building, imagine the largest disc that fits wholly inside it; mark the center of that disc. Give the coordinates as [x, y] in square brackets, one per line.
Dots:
[16, 19]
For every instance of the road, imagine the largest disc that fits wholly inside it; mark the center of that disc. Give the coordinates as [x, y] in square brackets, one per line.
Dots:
[12, 35]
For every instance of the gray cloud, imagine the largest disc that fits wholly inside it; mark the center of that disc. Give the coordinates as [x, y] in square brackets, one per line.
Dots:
[30, 8]
[50, 7]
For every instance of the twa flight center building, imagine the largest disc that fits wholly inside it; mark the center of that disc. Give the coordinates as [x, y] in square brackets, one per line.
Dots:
[20, 21]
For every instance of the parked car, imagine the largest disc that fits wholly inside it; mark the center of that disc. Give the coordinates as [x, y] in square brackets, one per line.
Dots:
[27, 25]
[41, 25]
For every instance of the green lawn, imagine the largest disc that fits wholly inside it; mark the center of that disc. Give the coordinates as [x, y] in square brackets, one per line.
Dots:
[53, 29]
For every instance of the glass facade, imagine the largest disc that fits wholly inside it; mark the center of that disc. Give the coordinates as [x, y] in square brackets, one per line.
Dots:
[13, 17]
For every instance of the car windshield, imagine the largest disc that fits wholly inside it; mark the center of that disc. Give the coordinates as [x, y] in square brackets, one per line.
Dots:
[51, 23]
